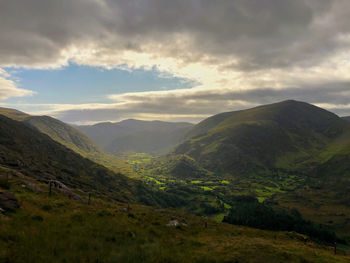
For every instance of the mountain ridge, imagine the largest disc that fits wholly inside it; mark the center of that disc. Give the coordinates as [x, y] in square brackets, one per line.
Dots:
[70, 137]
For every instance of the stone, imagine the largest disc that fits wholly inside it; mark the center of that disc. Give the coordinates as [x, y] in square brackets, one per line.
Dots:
[173, 223]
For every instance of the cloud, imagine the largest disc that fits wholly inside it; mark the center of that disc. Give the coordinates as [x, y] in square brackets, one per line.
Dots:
[8, 88]
[240, 53]
[240, 35]
[196, 104]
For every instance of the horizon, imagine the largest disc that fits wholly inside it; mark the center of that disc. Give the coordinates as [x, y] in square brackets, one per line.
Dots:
[155, 120]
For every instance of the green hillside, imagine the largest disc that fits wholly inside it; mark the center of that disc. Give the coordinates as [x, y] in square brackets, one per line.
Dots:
[26, 152]
[289, 154]
[69, 137]
[63, 134]
[282, 136]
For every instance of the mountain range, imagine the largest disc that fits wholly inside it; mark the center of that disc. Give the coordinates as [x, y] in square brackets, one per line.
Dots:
[153, 137]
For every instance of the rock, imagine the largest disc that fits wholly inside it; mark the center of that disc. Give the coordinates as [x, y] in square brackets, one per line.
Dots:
[8, 201]
[173, 223]
[57, 185]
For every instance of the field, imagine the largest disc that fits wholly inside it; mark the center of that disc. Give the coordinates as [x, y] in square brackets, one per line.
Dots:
[210, 196]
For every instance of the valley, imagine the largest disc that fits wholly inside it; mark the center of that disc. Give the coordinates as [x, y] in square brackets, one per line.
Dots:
[291, 180]
[162, 131]
[223, 170]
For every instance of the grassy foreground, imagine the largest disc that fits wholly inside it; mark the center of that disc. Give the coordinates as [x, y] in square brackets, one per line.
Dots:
[57, 229]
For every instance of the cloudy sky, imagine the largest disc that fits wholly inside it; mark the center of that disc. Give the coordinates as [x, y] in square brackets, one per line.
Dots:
[85, 61]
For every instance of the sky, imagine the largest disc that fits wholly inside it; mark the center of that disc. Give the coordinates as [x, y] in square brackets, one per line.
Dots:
[88, 61]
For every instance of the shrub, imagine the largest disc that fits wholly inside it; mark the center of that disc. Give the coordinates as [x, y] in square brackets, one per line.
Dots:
[249, 212]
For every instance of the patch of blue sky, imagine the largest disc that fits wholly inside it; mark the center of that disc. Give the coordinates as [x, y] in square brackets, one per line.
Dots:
[76, 84]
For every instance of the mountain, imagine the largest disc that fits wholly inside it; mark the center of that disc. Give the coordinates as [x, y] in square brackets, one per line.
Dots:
[68, 136]
[152, 137]
[281, 136]
[27, 153]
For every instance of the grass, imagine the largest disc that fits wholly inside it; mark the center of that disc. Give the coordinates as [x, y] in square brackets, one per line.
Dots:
[57, 229]
[219, 217]
[279, 188]
[207, 188]
[261, 199]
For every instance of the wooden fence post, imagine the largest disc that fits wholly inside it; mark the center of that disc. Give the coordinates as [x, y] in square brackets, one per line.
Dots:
[335, 248]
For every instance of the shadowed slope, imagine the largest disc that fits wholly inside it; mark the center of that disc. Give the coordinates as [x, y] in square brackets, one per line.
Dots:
[70, 137]
[36, 155]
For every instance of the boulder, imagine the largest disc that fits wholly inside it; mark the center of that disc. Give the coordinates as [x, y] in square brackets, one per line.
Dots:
[173, 223]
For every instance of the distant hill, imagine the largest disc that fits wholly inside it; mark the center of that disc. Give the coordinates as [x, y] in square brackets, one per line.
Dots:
[137, 136]
[68, 136]
[36, 155]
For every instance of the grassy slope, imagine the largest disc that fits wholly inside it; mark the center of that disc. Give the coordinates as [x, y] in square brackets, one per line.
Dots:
[36, 155]
[71, 138]
[56, 229]
[289, 153]
[262, 139]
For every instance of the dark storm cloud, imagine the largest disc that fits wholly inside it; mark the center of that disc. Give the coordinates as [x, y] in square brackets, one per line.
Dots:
[37, 31]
